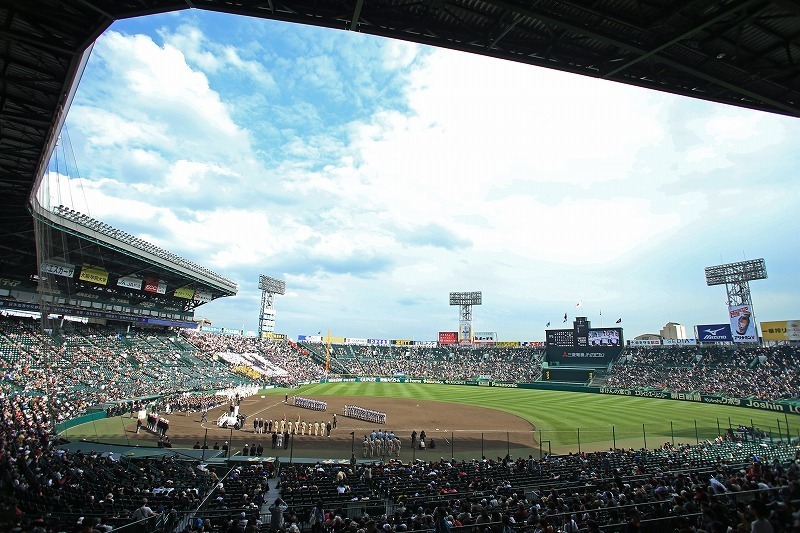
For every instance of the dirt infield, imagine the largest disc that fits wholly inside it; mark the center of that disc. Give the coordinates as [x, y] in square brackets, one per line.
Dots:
[460, 431]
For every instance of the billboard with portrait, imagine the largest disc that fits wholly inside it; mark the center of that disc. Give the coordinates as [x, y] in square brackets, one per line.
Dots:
[743, 327]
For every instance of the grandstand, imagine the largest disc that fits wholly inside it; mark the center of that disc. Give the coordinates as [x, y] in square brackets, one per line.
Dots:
[112, 370]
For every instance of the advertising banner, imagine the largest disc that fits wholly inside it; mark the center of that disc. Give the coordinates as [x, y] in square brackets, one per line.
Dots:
[785, 330]
[714, 333]
[401, 342]
[333, 340]
[742, 324]
[184, 292]
[155, 285]
[532, 344]
[130, 282]
[378, 342]
[351, 340]
[583, 355]
[201, 296]
[680, 342]
[94, 275]
[309, 338]
[425, 344]
[448, 337]
[271, 335]
[507, 344]
[645, 342]
[464, 332]
[56, 269]
[484, 337]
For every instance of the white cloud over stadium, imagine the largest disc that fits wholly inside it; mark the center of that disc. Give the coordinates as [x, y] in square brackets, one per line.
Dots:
[376, 176]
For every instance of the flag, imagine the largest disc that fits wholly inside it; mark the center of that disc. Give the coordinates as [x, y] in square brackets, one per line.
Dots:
[579, 304]
[565, 317]
[319, 333]
[619, 321]
[548, 324]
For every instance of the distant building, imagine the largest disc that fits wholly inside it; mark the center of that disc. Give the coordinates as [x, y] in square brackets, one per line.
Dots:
[673, 330]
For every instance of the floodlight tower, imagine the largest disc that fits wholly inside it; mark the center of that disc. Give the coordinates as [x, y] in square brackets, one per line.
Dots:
[269, 288]
[735, 277]
[465, 301]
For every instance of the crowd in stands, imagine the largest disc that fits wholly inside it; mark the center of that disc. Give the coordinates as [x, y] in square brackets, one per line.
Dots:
[711, 487]
[519, 364]
[279, 362]
[767, 373]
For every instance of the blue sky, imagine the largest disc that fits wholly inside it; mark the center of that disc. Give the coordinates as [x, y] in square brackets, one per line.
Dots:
[377, 176]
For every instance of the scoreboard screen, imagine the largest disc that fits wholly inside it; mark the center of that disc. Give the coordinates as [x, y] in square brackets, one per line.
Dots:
[604, 337]
[583, 345]
[582, 334]
[560, 337]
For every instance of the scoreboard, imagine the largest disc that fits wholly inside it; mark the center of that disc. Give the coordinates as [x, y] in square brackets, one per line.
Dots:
[583, 345]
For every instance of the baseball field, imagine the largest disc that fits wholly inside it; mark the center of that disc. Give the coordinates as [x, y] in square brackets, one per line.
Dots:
[463, 421]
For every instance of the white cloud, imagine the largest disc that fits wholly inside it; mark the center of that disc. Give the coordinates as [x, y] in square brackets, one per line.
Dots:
[479, 173]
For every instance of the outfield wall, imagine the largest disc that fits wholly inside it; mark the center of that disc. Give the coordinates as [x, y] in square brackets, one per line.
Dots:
[752, 403]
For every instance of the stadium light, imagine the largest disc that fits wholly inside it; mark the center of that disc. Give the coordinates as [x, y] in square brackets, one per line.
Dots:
[735, 277]
[275, 286]
[269, 288]
[465, 301]
[736, 272]
[465, 298]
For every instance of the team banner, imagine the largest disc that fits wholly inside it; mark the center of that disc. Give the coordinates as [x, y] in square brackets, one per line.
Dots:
[130, 282]
[645, 342]
[184, 292]
[464, 332]
[484, 337]
[448, 337]
[94, 275]
[202, 296]
[786, 330]
[57, 269]
[742, 325]
[714, 333]
[155, 285]
[680, 342]
[507, 344]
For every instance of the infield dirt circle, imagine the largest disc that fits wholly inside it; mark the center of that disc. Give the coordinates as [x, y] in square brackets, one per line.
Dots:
[460, 431]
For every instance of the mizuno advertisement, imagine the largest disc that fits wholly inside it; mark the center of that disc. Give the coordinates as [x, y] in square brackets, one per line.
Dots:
[714, 333]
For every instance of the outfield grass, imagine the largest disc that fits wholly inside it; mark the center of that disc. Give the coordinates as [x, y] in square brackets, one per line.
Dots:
[600, 418]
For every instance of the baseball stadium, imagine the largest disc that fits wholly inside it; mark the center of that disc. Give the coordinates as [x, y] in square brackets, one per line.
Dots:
[124, 410]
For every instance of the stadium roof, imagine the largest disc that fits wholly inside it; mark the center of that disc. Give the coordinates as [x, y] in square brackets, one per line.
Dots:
[738, 52]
